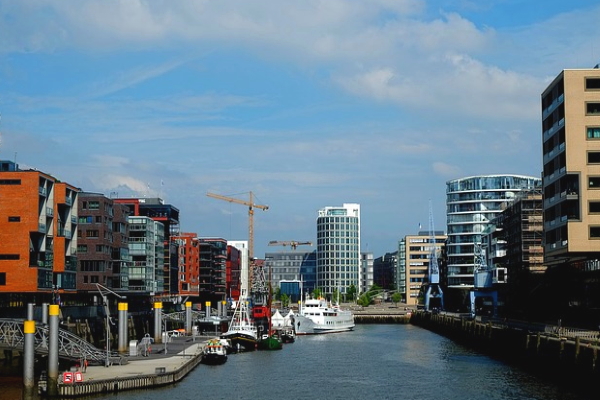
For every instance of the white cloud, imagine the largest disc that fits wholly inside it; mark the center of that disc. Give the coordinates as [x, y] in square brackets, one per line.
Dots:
[446, 170]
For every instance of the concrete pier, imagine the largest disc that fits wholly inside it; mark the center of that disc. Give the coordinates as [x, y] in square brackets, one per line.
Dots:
[157, 369]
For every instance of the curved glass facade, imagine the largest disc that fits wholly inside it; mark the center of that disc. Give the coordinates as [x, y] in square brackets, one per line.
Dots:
[471, 203]
[338, 248]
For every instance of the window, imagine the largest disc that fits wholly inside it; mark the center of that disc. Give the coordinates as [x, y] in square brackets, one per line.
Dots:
[594, 232]
[91, 233]
[14, 219]
[9, 257]
[594, 182]
[594, 207]
[592, 83]
[10, 181]
[2, 278]
[593, 157]
[592, 108]
[82, 248]
[593, 132]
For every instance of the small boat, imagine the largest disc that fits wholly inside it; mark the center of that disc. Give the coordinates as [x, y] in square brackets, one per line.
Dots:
[242, 332]
[214, 353]
[287, 336]
[269, 342]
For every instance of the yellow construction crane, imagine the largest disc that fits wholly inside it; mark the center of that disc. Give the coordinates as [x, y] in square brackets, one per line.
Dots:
[292, 243]
[251, 207]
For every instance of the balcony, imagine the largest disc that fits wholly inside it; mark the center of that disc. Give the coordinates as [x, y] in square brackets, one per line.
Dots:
[42, 191]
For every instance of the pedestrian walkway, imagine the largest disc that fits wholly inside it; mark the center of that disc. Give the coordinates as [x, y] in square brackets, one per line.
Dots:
[166, 363]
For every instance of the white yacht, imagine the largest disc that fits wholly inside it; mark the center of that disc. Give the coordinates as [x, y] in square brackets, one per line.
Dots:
[317, 316]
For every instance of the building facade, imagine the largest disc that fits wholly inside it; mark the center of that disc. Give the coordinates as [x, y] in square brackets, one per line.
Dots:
[168, 216]
[146, 248]
[471, 203]
[571, 172]
[213, 269]
[188, 263]
[417, 256]
[366, 272]
[338, 248]
[102, 244]
[294, 265]
[38, 232]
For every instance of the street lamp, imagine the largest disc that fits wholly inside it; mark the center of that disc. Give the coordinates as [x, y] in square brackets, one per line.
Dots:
[108, 319]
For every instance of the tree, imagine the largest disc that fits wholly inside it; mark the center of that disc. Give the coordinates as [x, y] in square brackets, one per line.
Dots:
[396, 297]
[351, 292]
[277, 294]
[316, 293]
[364, 300]
[285, 300]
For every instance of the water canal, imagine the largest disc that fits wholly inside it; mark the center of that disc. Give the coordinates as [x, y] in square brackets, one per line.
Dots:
[373, 362]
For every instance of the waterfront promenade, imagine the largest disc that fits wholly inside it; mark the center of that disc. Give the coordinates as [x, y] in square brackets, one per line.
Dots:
[165, 364]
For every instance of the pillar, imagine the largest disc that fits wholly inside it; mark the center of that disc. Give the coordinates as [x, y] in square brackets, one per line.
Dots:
[157, 322]
[29, 353]
[53, 311]
[45, 313]
[208, 309]
[122, 307]
[188, 317]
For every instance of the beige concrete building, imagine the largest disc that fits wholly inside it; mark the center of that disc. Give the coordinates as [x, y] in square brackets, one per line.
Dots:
[571, 174]
[416, 261]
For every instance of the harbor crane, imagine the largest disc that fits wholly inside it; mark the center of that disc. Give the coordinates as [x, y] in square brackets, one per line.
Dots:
[251, 206]
[292, 243]
[433, 292]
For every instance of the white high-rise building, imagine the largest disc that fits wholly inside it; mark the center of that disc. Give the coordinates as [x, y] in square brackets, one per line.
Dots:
[472, 203]
[338, 248]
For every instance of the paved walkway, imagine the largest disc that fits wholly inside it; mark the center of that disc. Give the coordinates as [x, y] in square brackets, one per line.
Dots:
[178, 352]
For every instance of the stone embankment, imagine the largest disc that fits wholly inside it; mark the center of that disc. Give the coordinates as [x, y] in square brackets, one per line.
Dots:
[554, 351]
[381, 314]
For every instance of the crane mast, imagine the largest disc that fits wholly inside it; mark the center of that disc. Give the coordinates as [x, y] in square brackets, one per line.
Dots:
[434, 290]
[251, 207]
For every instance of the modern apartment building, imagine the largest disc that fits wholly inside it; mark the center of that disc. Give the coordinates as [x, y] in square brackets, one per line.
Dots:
[168, 215]
[213, 266]
[338, 248]
[102, 244]
[188, 263]
[571, 173]
[383, 270]
[38, 232]
[471, 203]
[417, 256]
[146, 248]
[365, 280]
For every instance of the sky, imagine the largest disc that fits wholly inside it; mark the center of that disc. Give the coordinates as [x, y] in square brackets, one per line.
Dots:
[306, 104]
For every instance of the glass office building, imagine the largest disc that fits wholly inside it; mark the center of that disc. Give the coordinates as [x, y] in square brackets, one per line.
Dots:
[338, 248]
[471, 203]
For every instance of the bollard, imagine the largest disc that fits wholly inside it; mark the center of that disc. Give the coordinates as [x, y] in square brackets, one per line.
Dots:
[29, 356]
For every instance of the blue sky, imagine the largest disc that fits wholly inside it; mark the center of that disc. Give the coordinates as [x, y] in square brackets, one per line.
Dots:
[307, 104]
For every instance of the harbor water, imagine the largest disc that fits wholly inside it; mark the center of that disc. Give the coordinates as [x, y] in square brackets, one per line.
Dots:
[372, 362]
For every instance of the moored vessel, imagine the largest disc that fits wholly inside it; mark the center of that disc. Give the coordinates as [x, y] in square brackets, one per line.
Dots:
[242, 332]
[214, 353]
[317, 316]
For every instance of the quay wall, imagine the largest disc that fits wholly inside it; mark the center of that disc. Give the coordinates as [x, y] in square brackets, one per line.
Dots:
[381, 319]
[118, 384]
[562, 355]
